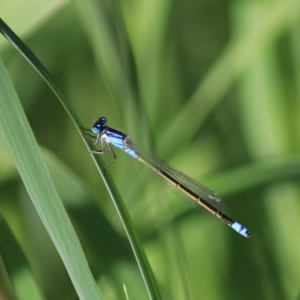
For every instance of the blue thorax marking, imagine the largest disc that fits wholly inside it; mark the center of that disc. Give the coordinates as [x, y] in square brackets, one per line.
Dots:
[120, 140]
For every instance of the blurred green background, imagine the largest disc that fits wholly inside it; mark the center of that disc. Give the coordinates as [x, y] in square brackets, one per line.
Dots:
[211, 87]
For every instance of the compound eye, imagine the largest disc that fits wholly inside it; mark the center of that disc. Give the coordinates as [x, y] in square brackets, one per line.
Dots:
[95, 128]
[103, 120]
[98, 126]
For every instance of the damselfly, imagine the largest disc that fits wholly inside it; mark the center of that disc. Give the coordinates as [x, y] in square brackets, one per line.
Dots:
[180, 183]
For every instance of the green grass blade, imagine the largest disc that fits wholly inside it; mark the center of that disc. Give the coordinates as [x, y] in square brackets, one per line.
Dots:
[40, 188]
[136, 245]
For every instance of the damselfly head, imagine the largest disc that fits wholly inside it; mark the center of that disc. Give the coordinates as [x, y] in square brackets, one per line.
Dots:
[99, 125]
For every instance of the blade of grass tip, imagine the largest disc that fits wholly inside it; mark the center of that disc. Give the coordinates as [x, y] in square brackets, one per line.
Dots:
[125, 292]
[135, 243]
[41, 190]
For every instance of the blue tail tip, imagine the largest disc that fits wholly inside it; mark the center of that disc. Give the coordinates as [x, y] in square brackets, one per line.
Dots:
[241, 229]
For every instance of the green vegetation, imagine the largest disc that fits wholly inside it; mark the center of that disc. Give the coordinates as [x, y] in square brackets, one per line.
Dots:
[213, 88]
